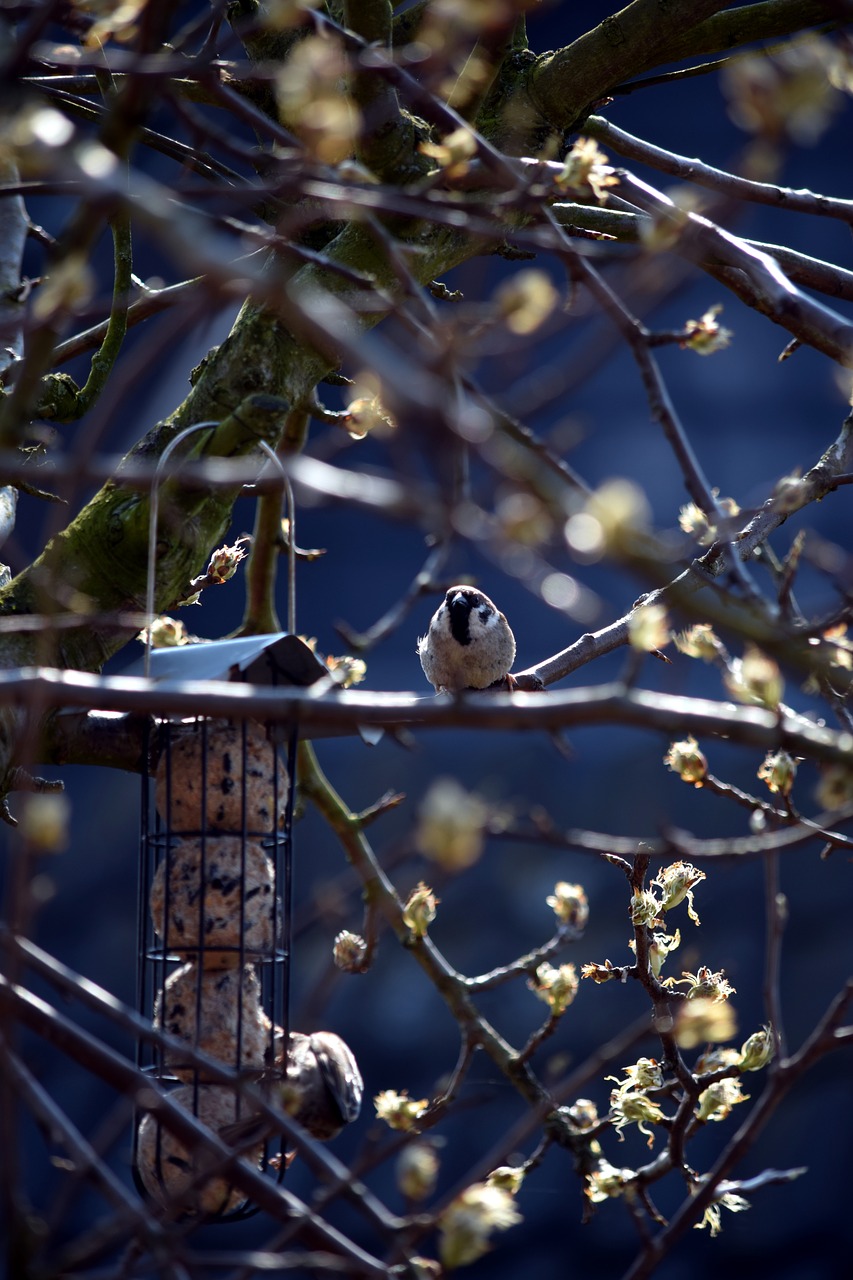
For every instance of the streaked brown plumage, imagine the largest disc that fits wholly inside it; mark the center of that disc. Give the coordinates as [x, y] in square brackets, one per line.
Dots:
[322, 1089]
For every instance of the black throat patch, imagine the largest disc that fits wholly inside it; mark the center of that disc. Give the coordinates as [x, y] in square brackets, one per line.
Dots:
[460, 615]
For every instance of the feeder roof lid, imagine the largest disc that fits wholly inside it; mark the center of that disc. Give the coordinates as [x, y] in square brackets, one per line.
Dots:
[280, 659]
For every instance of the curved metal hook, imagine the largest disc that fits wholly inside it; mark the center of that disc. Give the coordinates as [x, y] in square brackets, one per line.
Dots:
[152, 532]
[152, 529]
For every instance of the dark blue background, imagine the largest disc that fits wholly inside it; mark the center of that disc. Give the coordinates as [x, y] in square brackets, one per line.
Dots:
[750, 421]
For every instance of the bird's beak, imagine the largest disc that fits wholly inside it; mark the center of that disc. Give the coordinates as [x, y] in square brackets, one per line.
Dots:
[459, 598]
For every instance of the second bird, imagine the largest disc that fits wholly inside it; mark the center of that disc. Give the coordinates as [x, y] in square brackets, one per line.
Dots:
[469, 644]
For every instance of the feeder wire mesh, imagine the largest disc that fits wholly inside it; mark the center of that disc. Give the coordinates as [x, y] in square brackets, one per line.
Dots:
[214, 935]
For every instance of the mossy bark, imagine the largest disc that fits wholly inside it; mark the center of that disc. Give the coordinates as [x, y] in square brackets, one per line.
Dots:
[97, 566]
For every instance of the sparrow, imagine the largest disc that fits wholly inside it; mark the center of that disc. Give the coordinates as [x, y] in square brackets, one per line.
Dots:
[322, 1088]
[469, 644]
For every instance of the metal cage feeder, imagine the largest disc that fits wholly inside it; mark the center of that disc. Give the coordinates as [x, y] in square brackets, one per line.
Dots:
[214, 909]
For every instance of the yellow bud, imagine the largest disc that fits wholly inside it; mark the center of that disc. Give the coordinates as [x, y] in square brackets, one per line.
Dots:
[701, 1020]
[757, 1050]
[648, 628]
[398, 1110]
[419, 911]
[645, 908]
[779, 771]
[718, 1099]
[677, 882]
[224, 561]
[586, 171]
[706, 336]
[509, 1177]
[755, 679]
[699, 641]
[450, 825]
[468, 1222]
[526, 300]
[556, 986]
[44, 821]
[417, 1170]
[165, 633]
[569, 904]
[686, 759]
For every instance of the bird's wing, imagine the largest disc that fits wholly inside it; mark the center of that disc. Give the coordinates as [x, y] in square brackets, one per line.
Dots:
[340, 1073]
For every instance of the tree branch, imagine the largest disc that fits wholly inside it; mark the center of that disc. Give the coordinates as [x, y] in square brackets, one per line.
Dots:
[705, 175]
[564, 85]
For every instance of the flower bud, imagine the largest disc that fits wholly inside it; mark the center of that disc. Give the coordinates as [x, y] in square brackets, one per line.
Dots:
[224, 561]
[586, 171]
[757, 1050]
[419, 911]
[645, 1073]
[526, 300]
[417, 1170]
[606, 1182]
[634, 1108]
[835, 789]
[677, 882]
[718, 1099]
[44, 821]
[755, 679]
[778, 771]
[450, 825]
[600, 972]
[621, 509]
[685, 759]
[557, 987]
[453, 152]
[704, 984]
[645, 908]
[702, 1019]
[648, 628]
[583, 1114]
[711, 1217]
[699, 641]
[660, 947]
[398, 1110]
[164, 633]
[346, 669]
[349, 952]
[508, 1177]
[468, 1222]
[366, 414]
[569, 904]
[716, 1059]
[705, 336]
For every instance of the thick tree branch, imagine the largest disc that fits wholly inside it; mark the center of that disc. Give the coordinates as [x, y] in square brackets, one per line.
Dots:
[750, 23]
[344, 710]
[564, 85]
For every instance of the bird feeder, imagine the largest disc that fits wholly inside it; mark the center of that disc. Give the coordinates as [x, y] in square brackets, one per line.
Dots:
[214, 910]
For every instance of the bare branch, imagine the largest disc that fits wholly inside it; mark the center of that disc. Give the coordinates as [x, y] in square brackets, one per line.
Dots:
[704, 175]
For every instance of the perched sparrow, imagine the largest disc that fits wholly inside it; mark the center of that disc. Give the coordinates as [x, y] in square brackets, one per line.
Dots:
[322, 1089]
[469, 644]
